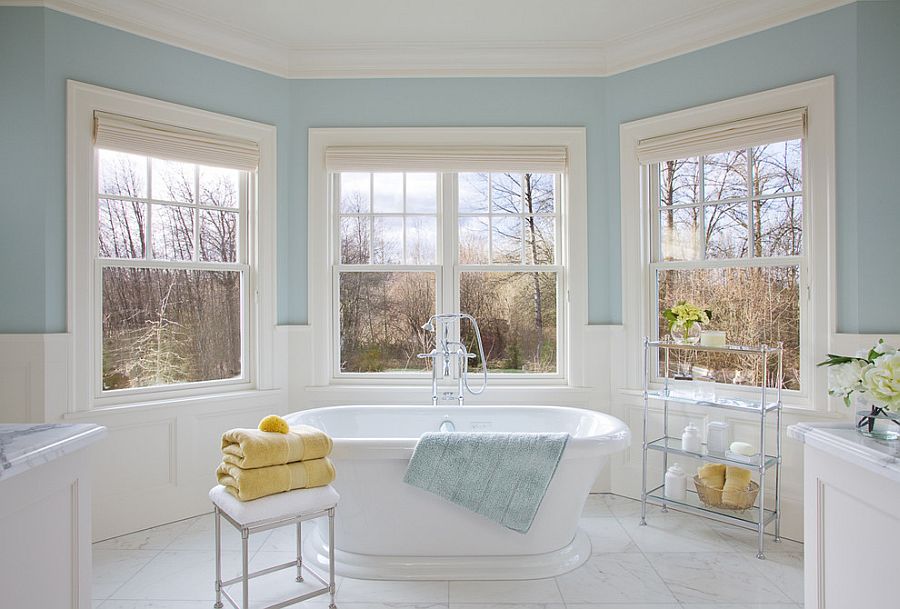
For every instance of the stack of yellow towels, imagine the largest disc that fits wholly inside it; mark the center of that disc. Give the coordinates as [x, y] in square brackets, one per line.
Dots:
[257, 463]
[731, 482]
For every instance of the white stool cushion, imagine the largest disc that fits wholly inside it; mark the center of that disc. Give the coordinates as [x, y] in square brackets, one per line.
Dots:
[282, 505]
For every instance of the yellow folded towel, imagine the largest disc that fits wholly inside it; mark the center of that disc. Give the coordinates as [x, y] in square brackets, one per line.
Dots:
[249, 448]
[249, 484]
[737, 480]
[713, 475]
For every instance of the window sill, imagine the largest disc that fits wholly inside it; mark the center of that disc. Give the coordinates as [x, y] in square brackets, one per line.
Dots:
[421, 394]
[223, 400]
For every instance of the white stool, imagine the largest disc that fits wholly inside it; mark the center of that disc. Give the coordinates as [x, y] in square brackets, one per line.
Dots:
[283, 509]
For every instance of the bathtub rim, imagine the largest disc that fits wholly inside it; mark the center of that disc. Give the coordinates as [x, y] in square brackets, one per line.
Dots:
[403, 447]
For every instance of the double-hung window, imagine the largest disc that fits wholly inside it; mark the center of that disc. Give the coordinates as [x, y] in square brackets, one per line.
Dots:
[172, 283]
[419, 234]
[734, 200]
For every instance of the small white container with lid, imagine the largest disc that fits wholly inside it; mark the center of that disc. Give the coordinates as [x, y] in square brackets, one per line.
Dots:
[717, 437]
[690, 439]
[676, 483]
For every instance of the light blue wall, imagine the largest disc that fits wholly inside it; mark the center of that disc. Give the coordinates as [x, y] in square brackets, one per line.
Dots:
[875, 259]
[23, 202]
[42, 48]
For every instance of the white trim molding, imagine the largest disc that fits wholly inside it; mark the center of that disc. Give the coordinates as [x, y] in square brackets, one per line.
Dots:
[817, 96]
[260, 361]
[687, 31]
[573, 227]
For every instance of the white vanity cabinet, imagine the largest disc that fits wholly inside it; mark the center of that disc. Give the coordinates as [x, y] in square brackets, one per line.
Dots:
[851, 526]
[45, 515]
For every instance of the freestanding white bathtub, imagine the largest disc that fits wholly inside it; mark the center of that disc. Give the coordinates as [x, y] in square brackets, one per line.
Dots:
[386, 529]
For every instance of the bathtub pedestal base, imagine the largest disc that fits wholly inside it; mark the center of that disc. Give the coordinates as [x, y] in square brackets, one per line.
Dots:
[531, 566]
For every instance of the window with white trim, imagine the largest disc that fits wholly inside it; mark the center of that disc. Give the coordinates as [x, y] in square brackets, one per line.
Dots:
[171, 249]
[727, 232]
[482, 240]
[171, 269]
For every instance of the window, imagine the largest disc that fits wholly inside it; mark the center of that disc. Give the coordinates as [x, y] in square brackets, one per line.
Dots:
[727, 234]
[490, 194]
[171, 243]
[733, 200]
[411, 244]
[171, 269]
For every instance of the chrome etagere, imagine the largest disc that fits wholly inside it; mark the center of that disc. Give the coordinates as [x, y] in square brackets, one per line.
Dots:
[755, 518]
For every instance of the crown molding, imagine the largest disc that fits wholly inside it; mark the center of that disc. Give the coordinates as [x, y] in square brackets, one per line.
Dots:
[719, 22]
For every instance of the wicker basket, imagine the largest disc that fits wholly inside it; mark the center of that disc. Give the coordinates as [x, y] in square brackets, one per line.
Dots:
[712, 497]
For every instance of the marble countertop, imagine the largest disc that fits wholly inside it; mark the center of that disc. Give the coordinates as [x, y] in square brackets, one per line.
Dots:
[843, 441]
[25, 446]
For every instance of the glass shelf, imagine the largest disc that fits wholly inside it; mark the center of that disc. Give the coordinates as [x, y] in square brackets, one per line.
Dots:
[668, 344]
[673, 447]
[725, 403]
[692, 505]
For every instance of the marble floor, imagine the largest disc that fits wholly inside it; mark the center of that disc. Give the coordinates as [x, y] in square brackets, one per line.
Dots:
[678, 561]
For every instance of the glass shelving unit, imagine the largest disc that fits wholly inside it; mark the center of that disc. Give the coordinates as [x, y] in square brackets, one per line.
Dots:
[756, 517]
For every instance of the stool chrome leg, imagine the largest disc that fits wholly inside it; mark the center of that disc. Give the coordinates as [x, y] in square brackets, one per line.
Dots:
[218, 604]
[331, 557]
[245, 579]
[299, 554]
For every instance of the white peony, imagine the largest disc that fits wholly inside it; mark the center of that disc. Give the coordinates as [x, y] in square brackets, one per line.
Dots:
[844, 379]
[881, 380]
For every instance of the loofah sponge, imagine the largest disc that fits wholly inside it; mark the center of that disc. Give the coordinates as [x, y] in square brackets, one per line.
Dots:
[275, 424]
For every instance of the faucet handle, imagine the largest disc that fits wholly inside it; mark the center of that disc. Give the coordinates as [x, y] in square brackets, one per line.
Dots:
[434, 353]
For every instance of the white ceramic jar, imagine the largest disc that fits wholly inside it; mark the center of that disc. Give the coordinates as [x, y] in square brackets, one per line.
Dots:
[717, 437]
[676, 483]
[690, 439]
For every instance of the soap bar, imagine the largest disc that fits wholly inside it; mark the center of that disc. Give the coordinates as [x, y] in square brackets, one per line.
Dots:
[742, 448]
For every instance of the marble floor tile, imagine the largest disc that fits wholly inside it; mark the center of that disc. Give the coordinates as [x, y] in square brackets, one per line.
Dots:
[675, 533]
[187, 575]
[528, 591]
[114, 567]
[362, 590]
[504, 606]
[627, 606]
[157, 538]
[785, 569]
[720, 577]
[125, 604]
[607, 535]
[745, 540]
[280, 585]
[744, 606]
[614, 578]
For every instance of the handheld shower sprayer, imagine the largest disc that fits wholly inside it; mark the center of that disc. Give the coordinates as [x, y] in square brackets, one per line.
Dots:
[461, 353]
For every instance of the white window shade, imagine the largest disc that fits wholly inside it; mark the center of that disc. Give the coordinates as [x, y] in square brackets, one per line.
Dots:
[127, 134]
[551, 159]
[758, 130]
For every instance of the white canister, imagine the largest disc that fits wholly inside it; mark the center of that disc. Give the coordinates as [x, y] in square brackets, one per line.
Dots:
[690, 439]
[676, 483]
[717, 437]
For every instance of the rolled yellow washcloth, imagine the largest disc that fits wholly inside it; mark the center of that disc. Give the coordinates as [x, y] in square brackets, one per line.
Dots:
[737, 481]
[249, 484]
[249, 448]
[713, 475]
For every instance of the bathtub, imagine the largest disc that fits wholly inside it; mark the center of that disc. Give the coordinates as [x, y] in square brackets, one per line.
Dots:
[386, 529]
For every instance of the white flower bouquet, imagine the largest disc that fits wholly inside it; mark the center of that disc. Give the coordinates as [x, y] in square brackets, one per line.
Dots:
[873, 377]
[682, 317]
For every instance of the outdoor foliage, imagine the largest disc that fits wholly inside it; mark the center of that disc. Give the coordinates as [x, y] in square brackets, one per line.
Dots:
[745, 205]
[168, 324]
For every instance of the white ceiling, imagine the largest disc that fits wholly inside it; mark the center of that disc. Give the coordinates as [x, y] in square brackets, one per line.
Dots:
[368, 38]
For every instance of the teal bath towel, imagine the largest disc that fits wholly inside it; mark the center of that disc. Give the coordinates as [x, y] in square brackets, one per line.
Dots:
[502, 476]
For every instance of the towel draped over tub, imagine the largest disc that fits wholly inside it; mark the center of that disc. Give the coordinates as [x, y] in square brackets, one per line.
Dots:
[502, 476]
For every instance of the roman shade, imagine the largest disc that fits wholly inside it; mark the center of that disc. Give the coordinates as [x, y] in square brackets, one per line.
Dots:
[127, 134]
[551, 159]
[758, 130]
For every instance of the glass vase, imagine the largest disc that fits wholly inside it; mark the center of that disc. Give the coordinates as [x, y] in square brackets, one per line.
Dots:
[878, 423]
[685, 334]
